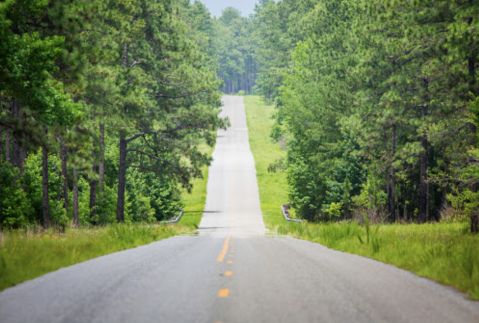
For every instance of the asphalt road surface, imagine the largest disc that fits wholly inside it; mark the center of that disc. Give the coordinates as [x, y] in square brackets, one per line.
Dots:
[233, 270]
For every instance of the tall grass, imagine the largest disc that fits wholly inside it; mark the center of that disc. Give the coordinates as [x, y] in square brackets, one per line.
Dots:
[447, 253]
[32, 252]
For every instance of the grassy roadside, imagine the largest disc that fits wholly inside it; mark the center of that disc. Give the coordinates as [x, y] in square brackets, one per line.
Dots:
[446, 253]
[195, 202]
[272, 186]
[29, 253]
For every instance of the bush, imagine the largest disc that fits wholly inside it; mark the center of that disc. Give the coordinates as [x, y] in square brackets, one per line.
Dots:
[16, 208]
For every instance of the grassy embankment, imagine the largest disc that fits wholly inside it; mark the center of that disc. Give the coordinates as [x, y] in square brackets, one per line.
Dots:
[446, 253]
[32, 252]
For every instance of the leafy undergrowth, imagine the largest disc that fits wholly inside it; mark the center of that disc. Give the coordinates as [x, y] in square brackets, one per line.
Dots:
[446, 253]
[32, 252]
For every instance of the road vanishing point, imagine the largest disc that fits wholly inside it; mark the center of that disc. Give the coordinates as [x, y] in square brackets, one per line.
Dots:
[233, 270]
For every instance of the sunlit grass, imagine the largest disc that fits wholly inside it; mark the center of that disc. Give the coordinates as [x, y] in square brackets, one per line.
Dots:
[195, 201]
[32, 252]
[447, 253]
[273, 188]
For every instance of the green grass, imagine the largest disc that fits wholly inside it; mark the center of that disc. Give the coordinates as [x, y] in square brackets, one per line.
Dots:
[273, 188]
[195, 201]
[446, 253]
[29, 253]
[32, 252]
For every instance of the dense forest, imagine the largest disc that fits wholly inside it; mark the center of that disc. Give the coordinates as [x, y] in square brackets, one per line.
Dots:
[103, 105]
[377, 102]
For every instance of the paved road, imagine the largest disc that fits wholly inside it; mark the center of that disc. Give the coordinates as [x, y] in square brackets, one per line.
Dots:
[232, 271]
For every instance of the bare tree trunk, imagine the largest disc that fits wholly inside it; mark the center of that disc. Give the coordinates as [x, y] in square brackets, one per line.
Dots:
[15, 145]
[1, 162]
[101, 165]
[393, 176]
[76, 218]
[120, 206]
[46, 201]
[472, 127]
[93, 185]
[473, 187]
[423, 184]
[423, 175]
[120, 209]
[7, 141]
[63, 156]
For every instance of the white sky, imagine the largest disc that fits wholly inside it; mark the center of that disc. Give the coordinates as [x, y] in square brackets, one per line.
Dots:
[216, 6]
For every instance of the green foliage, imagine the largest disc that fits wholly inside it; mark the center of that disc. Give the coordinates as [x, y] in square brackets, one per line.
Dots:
[33, 189]
[140, 70]
[16, 208]
[272, 186]
[446, 253]
[234, 50]
[334, 210]
[380, 90]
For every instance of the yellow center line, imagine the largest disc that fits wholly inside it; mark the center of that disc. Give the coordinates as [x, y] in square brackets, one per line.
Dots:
[231, 113]
[228, 273]
[224, 251]
[233, 206]
[223, 293]
[230, 261]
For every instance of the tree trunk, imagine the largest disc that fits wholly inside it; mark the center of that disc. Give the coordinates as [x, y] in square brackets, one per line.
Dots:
[15, 145]
[76, 217]
[392, 201]
[63, 157]
[101, 164]
[7, 141]
[472, 127]
[93, 185]
[1, 162]
[46, 201]
[423, 184]
[120, 209]
[423, 171]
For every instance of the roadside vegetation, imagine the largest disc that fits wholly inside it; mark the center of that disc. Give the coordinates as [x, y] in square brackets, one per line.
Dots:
[108, 117]
[444, 252]
[100, 117]
[33, 251]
